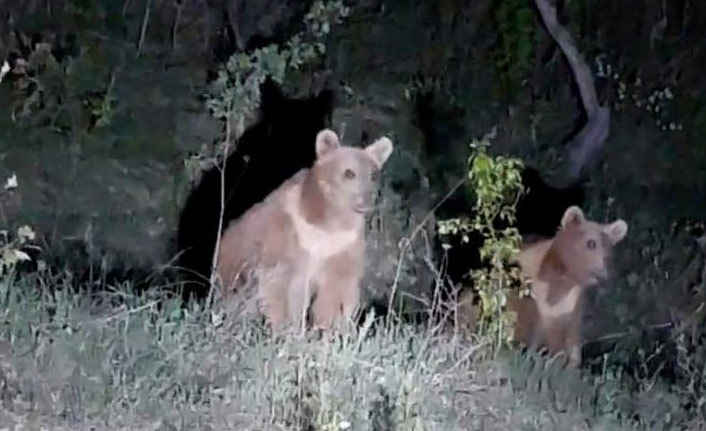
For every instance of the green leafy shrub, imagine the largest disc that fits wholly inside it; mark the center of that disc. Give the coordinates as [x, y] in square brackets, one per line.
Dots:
[496, 183]
[61, 94]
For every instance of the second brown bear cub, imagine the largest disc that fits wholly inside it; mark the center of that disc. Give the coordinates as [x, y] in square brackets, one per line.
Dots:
[560, 269]
[306, 240]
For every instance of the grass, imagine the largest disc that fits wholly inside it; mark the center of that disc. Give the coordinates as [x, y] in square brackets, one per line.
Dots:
[120, 361]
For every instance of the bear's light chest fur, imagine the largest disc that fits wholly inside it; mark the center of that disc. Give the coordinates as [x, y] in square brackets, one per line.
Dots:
[316, 243]
[549, 311]
[558, 306]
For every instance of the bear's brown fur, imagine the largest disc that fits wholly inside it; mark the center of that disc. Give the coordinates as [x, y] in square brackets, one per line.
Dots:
[306, 240]
[560, 269]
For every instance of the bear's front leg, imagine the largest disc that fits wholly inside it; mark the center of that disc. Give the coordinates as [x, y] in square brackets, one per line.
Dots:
[338, 292]
[528, 331]
[300, 290]
[274, 285]
[574, 339]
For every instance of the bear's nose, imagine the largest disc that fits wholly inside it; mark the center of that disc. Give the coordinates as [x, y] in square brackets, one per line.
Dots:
[601, 272]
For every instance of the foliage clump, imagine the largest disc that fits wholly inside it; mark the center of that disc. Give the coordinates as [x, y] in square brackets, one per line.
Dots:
[11, 246]
[517, 37]
[234, 96]
[497, 184]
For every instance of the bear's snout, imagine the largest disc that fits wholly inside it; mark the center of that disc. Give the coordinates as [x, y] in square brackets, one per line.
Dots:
[598, 274]
[363, 204]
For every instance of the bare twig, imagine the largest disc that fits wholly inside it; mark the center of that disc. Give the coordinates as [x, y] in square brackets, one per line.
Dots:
[594, 133]
[126, 5]
[143, 30]
[406, 242]
[622, 334]
[657, 30]
[177, 19]
[426, 218]
[233, 13]
[221, 214]
[126, 313]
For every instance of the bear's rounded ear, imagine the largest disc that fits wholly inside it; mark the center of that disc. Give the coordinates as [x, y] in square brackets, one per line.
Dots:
[572, 215]
[380, 150]
[271, 96]
[616, 231]
[326, 140]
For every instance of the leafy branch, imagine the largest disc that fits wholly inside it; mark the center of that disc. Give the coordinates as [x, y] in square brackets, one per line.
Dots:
[234, 96]
[497, 184]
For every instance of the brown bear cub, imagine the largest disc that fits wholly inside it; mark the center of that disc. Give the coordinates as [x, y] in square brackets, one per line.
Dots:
[306, 240]
[560, 269]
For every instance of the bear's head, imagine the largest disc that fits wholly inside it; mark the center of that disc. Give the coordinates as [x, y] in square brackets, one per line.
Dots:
[584, 247]
[347, 176]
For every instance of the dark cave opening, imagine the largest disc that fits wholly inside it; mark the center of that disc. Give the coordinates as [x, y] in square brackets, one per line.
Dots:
[268, 153]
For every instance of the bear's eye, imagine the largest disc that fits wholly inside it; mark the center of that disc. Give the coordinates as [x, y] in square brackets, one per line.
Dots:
[349, 174]
[591, 244]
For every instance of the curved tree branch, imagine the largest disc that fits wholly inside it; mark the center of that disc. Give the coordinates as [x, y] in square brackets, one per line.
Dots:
[583, 147]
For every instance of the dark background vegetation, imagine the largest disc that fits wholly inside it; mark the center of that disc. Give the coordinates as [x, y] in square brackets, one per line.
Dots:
[105, 127]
